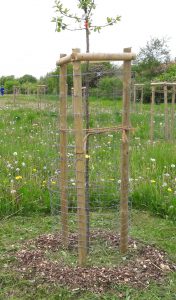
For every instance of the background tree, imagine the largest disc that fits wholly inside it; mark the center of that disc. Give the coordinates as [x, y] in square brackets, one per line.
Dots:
[152, 59]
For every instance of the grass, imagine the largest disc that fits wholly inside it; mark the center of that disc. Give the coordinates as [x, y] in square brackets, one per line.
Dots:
[29, 159]
[14, 232]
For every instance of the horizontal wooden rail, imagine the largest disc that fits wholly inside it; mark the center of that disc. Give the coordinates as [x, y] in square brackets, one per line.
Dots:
[96, 57]
[163, 83]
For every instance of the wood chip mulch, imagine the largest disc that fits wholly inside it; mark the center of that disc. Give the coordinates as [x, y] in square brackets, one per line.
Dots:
[146, 264]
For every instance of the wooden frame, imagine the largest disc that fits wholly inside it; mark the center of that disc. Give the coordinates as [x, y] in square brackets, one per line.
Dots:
[80, 138]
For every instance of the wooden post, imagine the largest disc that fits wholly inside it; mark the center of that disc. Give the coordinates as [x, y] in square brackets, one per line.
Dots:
[80, 160]
[125, 156]
[134, 99]
[142, 98]
[14, 96]
[166, 128]
[63, 152]
[152, 115]
[173, 113]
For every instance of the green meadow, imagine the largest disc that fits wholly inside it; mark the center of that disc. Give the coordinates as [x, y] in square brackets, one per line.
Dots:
[29, 189]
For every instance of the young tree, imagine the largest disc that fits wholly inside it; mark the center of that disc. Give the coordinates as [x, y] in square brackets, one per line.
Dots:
[84, 20]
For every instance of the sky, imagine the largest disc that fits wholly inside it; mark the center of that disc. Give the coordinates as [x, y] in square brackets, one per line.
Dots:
[29, 43]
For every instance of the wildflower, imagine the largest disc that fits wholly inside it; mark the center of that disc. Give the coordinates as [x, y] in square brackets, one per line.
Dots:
[169, 190]
[73, 183]
[164, 184]
[34, 170]
[13, 191]
[152, 181]
[152, 159]
[53, 182]
[112, 179]
[23, 164]
[167, 174]
[87, 156]
[18, 177]
[172, 166]
[15, 153]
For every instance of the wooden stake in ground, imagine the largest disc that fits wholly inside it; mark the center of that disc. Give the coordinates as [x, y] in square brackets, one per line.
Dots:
[166, 129]
[80, 161]
[125, 156]
[152, 115]
[142, 98]
[173, 113]
[63, 152]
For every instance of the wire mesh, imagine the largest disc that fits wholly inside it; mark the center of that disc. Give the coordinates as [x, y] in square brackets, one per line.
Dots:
[89, 176]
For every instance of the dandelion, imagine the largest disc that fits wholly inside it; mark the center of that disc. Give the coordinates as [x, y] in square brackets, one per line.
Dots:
[169, 190]
[18, 177]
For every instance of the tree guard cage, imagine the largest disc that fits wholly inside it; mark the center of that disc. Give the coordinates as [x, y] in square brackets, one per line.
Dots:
[166, 118]
[71, 175]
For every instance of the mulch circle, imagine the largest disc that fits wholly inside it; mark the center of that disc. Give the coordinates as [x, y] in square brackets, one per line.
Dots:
[146, 264]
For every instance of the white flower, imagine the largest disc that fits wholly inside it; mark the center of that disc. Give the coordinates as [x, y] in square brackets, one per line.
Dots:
[17, 169]
[167, 174]
[152, 159]
[172, 166]
[13, 191]
[15, 153]
[164, 184]
[23, 164]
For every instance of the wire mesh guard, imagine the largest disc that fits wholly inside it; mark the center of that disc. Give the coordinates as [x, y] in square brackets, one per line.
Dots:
[85, 189]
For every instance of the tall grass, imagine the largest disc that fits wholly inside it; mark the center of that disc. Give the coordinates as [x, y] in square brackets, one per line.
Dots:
[29, 158]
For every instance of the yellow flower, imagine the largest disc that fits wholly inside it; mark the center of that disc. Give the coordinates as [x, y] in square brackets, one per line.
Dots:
[53, 182]
[34, 170]
[169, 190]
[18, 177]
[152, 181]
[87, 156]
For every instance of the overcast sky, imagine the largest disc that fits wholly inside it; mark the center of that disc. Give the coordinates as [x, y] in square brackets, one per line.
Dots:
[30, 45]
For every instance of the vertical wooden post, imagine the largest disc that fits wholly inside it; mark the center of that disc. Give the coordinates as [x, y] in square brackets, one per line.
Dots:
[63, 153]
[134, 99]
[173, 113]
[125, 156]
[152, 115]
[80, 161]
[142, 98]
[166, 117]
[14, 96]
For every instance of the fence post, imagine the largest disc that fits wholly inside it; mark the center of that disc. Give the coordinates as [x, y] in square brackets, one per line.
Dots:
[173, 112]
[80, 160]
[125, 156]
[63, 153]
[152, 115]
[166, 129]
